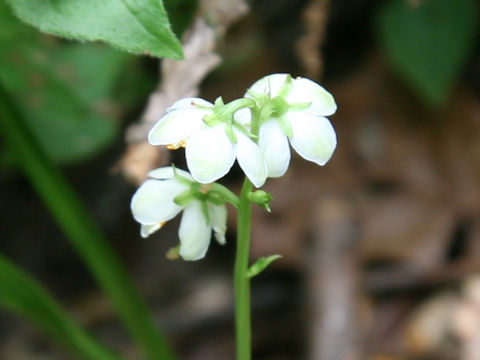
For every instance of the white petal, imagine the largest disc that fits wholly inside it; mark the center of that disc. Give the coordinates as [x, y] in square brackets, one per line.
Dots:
[275, 148]
[250, 159]
[189, 103]
[218, 221]
[243, 116]
[147, 230]
[194, 233]
[210, 154]
[167, 173]
[305, 90]
[313, 137]
[153, 201]
[270, 84]
[176, 126]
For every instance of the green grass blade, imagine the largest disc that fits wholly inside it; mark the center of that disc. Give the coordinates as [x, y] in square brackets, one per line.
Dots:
[80, 229]
[22, 295]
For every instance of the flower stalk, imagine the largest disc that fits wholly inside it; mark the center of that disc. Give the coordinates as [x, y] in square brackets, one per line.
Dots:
[241, 279]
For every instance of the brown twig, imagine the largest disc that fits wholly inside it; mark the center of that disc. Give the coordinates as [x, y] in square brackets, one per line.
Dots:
[315, 17]
[334, 283]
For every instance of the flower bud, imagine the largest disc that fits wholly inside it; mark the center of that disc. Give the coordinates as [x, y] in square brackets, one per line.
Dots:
[261, 198]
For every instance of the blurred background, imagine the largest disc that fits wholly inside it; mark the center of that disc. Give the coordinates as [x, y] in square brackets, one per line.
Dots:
[381, 247]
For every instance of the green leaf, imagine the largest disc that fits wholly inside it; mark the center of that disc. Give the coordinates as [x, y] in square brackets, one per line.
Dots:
[180, 13]
[137, 26]
[261, 264]
[85, 236]
[428, 44]
[21, 294]
[66, 89]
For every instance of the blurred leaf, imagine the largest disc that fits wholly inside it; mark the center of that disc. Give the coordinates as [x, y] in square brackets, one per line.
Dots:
[22, 295]
[428, 43]
[79, 227]
[65, 89]
[180, 13]
[261, 264]
[137, 26]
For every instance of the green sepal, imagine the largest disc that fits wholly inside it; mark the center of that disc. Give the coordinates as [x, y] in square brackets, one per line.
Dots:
[285, 126]
[299, 106]
[286, 87]
[230, 133]
[261, 265]
[184, 198]
[219, 194]
[279, 106]
[215, 199]
[179, 178]
[205, 211]
[245, 131]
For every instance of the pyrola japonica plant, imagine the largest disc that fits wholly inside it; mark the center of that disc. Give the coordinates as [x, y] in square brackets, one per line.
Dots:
[256, 130]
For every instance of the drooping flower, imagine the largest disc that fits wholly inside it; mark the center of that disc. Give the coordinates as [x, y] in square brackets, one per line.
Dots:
[292, 110]
[169, 192]
[211, 139]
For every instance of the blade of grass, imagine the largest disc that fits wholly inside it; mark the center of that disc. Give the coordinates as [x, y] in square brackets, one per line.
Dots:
[81, 230]
[22, 295]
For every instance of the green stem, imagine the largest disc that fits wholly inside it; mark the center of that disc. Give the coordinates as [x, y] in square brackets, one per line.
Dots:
[241, 281]
[225, 194]
[81, 230]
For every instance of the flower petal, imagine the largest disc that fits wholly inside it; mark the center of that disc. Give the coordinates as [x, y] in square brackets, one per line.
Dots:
[243, 116]
[189, 103]
[147, 230]
[166, 172]
[313, 137]
[153, 201]
[270, 84]
[274, 145]
[305, 90]
[194, 232]
[218, 221]
[250, 159]
[176, 126]
[210, 154]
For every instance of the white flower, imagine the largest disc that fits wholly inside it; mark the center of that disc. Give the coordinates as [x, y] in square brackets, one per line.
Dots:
[168, 193]
[292, 110]
[211, 142]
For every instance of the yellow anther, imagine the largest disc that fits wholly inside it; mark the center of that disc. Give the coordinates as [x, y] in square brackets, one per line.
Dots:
[175, 146]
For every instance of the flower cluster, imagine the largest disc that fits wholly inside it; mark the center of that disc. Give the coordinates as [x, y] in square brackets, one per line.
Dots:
[257, 130]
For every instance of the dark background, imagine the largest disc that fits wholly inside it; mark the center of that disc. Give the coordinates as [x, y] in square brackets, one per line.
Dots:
[380, 247]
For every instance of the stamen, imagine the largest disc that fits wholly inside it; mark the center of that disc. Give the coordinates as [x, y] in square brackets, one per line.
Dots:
[175, 146]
